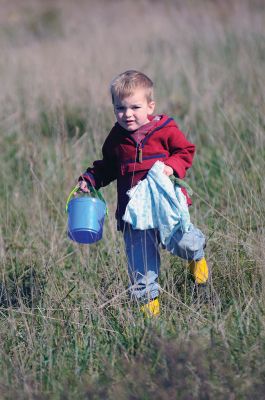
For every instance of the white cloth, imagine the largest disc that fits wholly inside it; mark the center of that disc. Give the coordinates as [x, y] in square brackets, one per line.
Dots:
[155, 202]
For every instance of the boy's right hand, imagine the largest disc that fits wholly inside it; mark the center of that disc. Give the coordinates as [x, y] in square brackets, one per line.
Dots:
[83, 187]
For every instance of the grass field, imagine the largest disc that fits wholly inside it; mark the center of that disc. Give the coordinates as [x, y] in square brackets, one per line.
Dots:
[67, 330]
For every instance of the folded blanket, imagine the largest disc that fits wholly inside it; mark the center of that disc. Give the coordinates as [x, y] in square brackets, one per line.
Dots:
[155, 202]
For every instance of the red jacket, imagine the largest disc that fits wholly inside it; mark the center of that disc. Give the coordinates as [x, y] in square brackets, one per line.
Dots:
[128, 162]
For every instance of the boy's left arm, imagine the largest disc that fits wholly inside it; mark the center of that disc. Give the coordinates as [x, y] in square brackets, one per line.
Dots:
[181, 152]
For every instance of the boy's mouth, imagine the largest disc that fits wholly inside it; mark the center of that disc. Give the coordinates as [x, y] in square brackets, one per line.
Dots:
[129, 123]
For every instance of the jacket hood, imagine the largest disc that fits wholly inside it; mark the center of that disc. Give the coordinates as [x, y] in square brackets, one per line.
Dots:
[165, 120]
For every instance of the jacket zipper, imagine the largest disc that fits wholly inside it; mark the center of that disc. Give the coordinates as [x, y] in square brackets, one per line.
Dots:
[140, 153]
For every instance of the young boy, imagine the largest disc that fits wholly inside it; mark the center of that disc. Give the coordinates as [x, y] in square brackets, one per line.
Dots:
[137, 140]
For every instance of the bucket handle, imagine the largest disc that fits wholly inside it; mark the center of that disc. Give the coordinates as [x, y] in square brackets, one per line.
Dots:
[93, 190]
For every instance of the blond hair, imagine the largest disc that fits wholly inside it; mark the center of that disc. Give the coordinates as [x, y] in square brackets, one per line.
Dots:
[125, 84]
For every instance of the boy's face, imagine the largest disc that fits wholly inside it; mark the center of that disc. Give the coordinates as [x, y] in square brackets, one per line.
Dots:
[132, 111]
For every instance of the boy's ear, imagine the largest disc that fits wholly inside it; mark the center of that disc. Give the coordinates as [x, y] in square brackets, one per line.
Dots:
[151, 106]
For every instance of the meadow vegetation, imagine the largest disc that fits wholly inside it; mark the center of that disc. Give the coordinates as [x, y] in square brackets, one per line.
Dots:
[67, 329]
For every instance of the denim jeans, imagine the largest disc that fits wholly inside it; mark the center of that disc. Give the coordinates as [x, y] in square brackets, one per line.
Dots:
[142, 249]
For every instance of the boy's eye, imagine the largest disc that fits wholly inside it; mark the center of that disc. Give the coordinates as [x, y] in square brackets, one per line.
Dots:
[121, 108]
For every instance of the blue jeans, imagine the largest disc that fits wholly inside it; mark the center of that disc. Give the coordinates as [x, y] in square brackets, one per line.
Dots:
[142, 249]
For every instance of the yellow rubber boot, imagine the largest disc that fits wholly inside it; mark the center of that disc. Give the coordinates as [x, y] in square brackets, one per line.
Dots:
[151, 309]
[199, 270]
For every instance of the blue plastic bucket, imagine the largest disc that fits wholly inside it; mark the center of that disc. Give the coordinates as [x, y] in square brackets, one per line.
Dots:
[86, 219]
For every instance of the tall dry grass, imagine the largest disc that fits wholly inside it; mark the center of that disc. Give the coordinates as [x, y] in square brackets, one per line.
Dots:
[67, 330]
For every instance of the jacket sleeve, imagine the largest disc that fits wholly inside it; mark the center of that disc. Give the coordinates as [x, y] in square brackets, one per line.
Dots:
[103, 171]
[181, 152]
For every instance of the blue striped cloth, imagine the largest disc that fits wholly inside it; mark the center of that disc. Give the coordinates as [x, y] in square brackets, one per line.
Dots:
[155, 202]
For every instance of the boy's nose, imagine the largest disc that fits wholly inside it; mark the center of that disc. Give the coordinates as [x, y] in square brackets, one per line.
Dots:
[128, 112]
